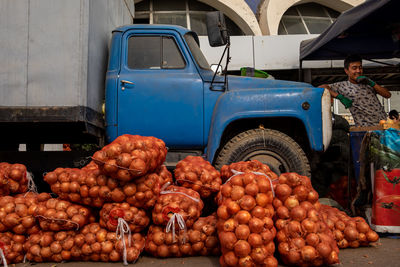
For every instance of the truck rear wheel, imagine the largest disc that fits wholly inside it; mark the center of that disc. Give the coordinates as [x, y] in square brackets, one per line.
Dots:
[280, 152]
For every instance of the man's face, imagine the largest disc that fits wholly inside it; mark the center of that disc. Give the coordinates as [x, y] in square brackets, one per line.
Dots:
[355, 69]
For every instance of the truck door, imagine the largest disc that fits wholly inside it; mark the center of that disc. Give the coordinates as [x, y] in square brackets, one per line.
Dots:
[160, 92]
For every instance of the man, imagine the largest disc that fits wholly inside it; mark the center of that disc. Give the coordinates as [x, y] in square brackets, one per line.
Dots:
[358, 94]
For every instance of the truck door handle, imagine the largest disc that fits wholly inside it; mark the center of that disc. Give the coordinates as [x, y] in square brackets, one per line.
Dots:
[126, 82]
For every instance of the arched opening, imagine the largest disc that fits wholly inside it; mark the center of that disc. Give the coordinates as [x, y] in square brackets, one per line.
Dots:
[190, 14]
[309, 18]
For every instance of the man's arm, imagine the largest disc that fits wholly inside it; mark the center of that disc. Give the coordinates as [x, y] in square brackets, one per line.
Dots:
[326, 86]
[380, 90]
[344, 100]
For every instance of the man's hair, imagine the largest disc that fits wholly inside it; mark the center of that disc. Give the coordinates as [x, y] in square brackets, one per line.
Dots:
[393, 114]
[350, 59]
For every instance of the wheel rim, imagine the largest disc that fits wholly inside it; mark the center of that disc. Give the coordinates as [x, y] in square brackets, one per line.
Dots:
[274, 161]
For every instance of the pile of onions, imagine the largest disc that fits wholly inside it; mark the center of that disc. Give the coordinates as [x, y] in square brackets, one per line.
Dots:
[92, 243]
[177, 200]
[347, 231]
[13, 178]
[143, 192]
[102, 245]
[245, 227]
[56, 215]
[137, 219]
[200, 240]
[83, 186]
[53, 247]
[13, 247]
[89, 187]
[17, 214]
[131, 156]
[243, 166]
[199, 175]
[303, 238]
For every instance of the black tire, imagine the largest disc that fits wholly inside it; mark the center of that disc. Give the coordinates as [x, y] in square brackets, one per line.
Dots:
[280, 152]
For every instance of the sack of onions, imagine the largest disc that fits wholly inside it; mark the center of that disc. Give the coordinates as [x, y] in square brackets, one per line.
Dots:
[303, 238]
[14, 178]
[243, 166]
[137, 219]
[177, 206]
[199, 175]
[12, 247]
[200, 240]
[53, 246]
[143, 192]
[57, 215]
[83, 186]
[17, 214]
[348, 231]
[99, 244]
[245, 227]
[131, 156]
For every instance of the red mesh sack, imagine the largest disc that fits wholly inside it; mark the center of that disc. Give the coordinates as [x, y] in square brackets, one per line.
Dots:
[199, 175]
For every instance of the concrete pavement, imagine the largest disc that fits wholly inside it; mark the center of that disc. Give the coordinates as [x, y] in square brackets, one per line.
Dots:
[386, 253]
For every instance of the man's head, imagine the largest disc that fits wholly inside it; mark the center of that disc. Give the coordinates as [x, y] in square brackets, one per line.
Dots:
[353, 67]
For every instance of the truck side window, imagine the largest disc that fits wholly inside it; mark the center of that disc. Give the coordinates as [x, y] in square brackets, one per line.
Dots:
[172, 57]
[154, 52]
[144, 52]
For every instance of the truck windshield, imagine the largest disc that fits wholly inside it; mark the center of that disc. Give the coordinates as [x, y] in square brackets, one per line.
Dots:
[197, 54]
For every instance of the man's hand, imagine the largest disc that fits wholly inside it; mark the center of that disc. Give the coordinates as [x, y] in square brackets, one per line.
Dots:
[365, 80]
[345, 101]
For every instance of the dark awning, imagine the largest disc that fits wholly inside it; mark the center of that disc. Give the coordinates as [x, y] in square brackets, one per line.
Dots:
[371, 30]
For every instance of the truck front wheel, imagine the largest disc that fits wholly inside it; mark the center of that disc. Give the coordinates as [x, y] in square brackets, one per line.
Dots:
[280, 152]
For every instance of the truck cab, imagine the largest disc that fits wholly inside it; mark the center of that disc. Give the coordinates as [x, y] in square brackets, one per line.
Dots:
[158, 83]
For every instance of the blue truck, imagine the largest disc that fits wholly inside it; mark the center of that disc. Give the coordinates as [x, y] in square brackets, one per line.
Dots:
[158, 83]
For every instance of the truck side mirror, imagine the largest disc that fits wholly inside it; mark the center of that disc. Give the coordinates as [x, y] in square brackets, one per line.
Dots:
[216, 29]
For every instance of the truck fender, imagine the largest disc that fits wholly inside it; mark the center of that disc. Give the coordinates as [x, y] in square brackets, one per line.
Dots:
[242, 104]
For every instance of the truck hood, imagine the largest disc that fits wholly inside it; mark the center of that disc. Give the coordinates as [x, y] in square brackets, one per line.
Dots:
[242, 83]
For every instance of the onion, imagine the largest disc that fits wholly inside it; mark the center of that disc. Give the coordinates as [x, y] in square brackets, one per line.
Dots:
[247, 202]
[256, 225]
[251, 189]
[237, 192]
[309, 226]
[312, 239]
[372, 236]
[233, 207]
[298, 213]
[294, 228]
[282, 212]
[258, 212]
[242, 231]
[301, 192]
[308, 253]
[255, 240]
[243, 216]
[230, 225]
[324, 249]
[227, 239]
[291, 202]
[293, 256]
[283, 191]
[312, 196]
[262, 199]
[350, 233]
[226, 190]
[55, 247]
[298, 242]
[362, 227]
[230, 257]
[242, 248]
[223, 213]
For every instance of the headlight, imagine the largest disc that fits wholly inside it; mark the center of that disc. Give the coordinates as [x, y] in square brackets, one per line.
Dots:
[326, 119]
